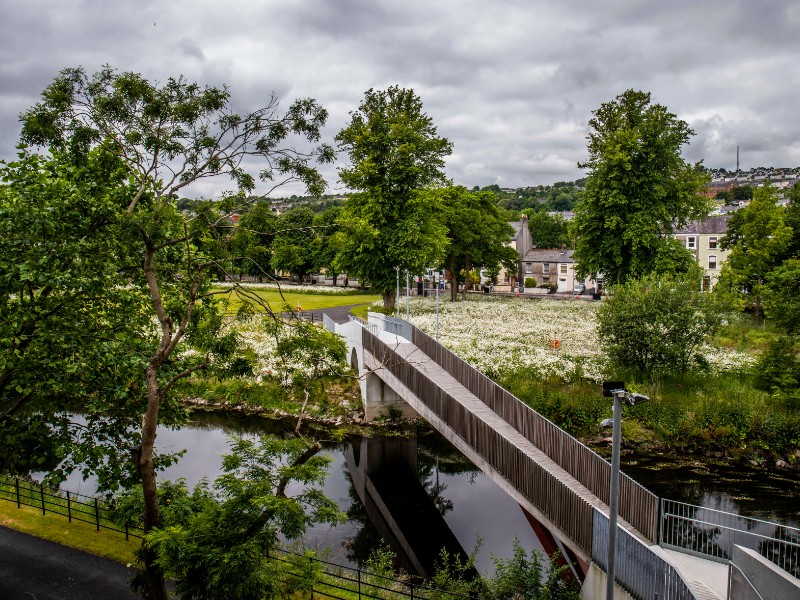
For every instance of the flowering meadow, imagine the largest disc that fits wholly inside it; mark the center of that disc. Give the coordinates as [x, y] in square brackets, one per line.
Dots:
[552, 337]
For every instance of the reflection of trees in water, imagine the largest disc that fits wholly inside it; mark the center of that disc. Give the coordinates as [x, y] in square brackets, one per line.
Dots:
[434, 487]
[786, 555]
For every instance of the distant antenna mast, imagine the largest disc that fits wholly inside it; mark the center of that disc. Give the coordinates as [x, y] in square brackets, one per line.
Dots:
[737, 159]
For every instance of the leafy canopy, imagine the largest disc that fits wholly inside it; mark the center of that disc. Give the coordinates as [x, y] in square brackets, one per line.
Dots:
[656, 324]
[639, 188]
[394, 152]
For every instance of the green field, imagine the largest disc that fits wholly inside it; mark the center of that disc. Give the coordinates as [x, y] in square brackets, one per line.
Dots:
[307, 301]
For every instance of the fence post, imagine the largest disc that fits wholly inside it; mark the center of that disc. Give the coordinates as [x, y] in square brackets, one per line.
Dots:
[41, 491]
[16, 487]
[96, 514]
[69, 509]
[412, 591]
[359, 583]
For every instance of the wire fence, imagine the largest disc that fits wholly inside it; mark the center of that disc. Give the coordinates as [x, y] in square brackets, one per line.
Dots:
[76, 507]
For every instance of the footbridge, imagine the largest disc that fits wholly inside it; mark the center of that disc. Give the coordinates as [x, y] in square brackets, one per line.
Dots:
[562, 485]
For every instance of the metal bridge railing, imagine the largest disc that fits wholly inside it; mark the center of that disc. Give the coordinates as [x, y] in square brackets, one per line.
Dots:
[638, 505]
[711, 533]
[639, 570]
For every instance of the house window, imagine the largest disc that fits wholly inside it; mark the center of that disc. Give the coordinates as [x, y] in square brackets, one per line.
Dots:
[712, 262]
[712, 243]
[546, 268]
[528, 268]
[563, 269]
[691, 242]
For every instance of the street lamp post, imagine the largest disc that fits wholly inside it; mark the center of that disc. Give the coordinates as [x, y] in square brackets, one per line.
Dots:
[407, 300]
[620, 395]
[436, 283]
[397, 295]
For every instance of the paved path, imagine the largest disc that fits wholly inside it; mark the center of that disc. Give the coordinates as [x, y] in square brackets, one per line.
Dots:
[35, 569]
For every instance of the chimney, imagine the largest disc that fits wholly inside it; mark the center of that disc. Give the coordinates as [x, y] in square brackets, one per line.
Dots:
[563, 248]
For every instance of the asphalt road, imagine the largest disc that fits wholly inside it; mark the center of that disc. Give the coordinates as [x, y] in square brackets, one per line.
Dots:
[35, 569]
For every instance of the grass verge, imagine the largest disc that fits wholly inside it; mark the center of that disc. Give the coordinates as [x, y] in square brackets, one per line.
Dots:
[307, 301]
[57, 528]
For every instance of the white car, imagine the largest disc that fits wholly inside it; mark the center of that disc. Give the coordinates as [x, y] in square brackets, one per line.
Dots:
[578, 289]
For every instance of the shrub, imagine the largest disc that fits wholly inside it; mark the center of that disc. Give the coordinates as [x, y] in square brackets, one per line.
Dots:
[656, 324]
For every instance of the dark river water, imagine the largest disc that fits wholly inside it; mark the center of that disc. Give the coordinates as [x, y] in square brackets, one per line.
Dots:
[436, 497]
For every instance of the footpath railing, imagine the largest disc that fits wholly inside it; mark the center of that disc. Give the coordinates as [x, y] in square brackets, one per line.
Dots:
[640, 571]
[571, 513]
[638, 505]
[74, 506]
[712, 534]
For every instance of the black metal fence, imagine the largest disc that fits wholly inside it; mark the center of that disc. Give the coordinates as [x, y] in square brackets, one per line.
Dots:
[306, 573]
[74, 506]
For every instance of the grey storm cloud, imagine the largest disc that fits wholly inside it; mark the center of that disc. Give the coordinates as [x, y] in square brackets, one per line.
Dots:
[511, 83]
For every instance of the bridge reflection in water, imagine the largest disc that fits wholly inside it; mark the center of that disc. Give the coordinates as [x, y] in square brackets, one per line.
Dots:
[384, 476]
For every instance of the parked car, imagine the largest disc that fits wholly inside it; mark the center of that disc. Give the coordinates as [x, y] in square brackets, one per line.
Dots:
[578, 289]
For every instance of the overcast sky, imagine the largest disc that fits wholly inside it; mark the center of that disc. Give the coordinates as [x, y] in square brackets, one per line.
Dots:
[512, 84]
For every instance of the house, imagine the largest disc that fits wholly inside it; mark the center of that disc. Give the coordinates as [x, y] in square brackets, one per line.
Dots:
[701, 238]
[521, 242]
[551, 267]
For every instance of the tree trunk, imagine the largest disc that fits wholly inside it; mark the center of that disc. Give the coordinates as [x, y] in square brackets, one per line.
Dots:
[389, 300]
[147, 474]
[335, 277]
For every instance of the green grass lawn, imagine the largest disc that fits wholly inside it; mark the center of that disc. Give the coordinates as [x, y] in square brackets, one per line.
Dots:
[56, 527]
[307, 301]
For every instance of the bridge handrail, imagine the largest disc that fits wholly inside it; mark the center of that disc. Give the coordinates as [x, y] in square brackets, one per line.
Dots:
[639, 570]
[637, 504]
[713, 533]
[562, 505]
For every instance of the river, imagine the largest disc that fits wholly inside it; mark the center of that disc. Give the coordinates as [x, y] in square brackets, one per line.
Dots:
[440, 491]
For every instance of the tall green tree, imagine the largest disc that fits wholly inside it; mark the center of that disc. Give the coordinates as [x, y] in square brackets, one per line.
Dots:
[328, 240]
[251, 244]
[782, 296]
[639, 187]
[758, 239]
[394, 152]
[478, 234]
[68, 329]
[293, 249]
[169, 136]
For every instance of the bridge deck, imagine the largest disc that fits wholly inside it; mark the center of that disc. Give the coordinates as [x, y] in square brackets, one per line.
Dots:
[441, 378]
[707, 579]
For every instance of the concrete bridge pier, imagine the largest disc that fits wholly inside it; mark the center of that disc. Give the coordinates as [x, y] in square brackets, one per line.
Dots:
[381, 400]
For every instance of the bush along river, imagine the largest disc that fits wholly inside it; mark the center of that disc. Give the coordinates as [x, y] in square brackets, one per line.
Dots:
[420, 494]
